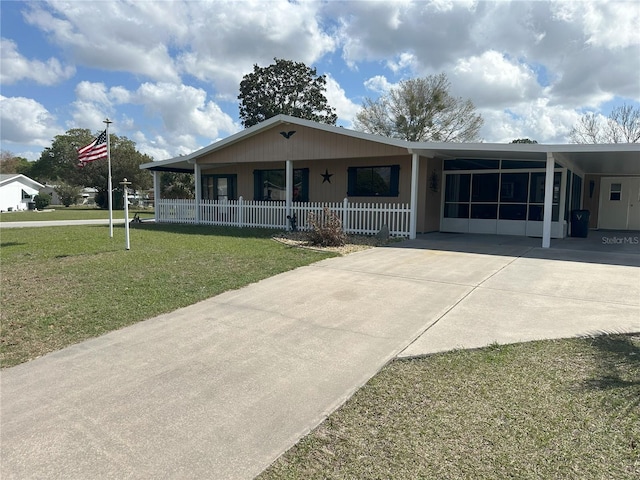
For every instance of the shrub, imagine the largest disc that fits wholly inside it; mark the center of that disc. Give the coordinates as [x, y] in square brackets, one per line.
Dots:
[42, 200]
[102, 199]
[68, 193]
[326, 229]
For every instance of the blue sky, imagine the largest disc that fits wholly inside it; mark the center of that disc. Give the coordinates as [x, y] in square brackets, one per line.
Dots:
[167, 72]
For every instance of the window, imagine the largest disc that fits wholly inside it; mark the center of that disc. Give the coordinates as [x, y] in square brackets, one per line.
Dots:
[615, 192]
[484, 187]
[520, 196]
[536, 196]
[374, 181]
[456, 195]
[524, 164]
[471, 164]
[514, 189]
[271, 185]
[219, 187]
[484, 195]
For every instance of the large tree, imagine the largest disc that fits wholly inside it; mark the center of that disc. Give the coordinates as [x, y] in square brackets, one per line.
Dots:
[621, 126]
[58, 164]
[421, 110]
[9, 163]
[284, 87]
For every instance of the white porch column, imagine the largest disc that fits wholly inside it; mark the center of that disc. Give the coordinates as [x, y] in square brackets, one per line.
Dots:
[156, 196]
[413, 215]
[197, 170]
[289, 191]
[548, 201]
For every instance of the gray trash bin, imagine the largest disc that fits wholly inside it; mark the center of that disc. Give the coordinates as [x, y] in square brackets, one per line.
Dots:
[580, 223]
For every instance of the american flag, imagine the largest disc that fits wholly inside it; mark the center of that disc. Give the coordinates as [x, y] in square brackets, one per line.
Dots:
[94, 151]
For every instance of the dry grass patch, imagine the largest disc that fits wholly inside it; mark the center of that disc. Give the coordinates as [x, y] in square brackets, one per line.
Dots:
[555, 409]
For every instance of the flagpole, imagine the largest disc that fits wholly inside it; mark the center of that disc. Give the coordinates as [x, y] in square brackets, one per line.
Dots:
[109, 186]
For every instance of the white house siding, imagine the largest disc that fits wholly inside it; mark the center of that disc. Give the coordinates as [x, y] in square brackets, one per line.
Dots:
[11, 188]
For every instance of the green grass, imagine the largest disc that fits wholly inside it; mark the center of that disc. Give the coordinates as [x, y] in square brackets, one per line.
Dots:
[544, 410]
[70, 213]
[61, 285]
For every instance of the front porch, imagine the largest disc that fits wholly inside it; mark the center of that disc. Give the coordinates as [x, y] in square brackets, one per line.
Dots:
[356, 218]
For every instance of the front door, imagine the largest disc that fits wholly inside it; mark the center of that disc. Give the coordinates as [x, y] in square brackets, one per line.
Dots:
[619, 203]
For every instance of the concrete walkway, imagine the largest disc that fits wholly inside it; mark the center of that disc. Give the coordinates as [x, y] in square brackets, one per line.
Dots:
[221, 388]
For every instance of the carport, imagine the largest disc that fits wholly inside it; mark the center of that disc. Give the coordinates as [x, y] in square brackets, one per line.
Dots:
[592, 177]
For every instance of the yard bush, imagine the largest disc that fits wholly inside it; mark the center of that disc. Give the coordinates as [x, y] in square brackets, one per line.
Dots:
[42, 200]
[117, 199]
[326, 229]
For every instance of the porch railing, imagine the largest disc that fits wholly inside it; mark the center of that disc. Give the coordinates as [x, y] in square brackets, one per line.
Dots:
[357, 218]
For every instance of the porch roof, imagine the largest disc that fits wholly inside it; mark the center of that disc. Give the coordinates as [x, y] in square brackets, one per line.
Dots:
[619, 159]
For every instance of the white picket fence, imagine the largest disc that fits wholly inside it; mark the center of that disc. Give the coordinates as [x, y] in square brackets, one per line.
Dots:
[357, 218]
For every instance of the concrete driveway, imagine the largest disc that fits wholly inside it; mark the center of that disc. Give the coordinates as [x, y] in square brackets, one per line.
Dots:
[221, 388]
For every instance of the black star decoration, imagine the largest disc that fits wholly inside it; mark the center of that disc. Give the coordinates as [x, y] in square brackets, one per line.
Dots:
[326, 176]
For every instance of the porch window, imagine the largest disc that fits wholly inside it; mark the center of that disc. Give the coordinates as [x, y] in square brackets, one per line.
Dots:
[536, 196]
[615, 192]
[380, 181]
[514, 190]
[507, 196]
[484, 195]
[456, 195]
[271, 185]
[219, 187]
[471, 164]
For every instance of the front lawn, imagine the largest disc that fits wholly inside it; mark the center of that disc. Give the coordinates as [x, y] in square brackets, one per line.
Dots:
[70, 213]
[565, 409]
[61, 285]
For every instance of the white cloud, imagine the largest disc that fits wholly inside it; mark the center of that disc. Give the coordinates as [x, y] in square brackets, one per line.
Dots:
[122, 39]
[14, 67]
[337, 98]
[406, 60]
[536, 120]
[184, 109]
[379, 84]
[610, 25]
[492, 79]
[216, 42]
[25, 121]
[225, 41]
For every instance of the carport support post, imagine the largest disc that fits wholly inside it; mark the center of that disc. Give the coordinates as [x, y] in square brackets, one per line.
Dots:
[197, 170]
[415, 161]
[289, 192]
[548, 201]
[156, 196]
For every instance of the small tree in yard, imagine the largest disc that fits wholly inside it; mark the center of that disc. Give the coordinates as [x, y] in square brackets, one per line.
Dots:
[326, 229]
[67, 193]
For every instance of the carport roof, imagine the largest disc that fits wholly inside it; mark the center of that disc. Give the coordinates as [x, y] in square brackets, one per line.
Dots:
[619, 159]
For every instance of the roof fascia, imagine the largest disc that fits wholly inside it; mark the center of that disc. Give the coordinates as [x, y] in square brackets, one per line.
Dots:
[24, 179]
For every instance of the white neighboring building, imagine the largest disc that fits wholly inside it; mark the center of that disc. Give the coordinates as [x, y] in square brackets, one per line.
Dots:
[17, 191]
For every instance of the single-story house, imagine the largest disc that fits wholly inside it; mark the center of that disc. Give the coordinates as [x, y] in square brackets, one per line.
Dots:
[286, 167]
[17, 192]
